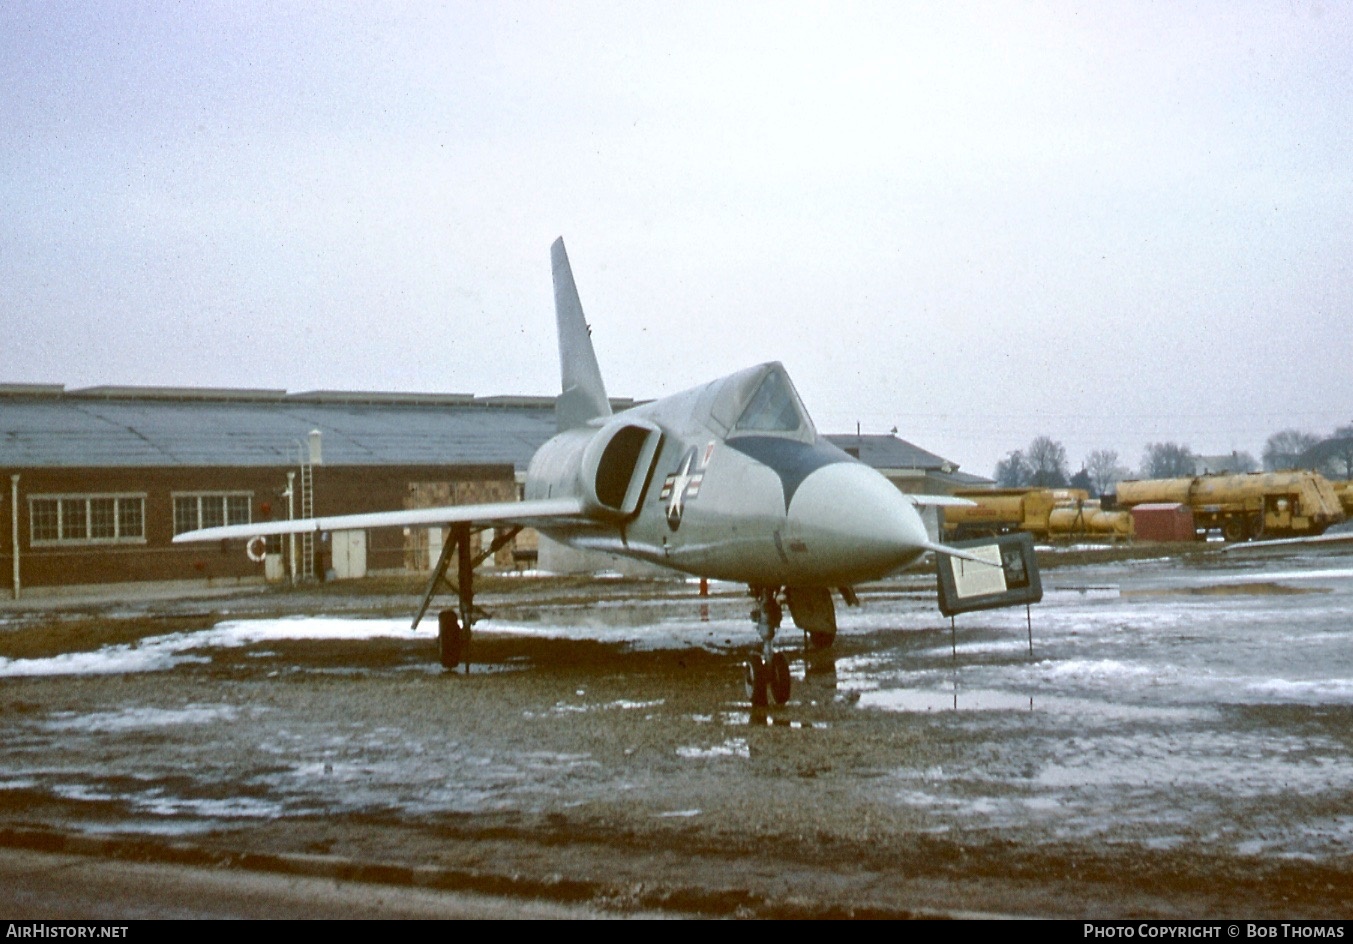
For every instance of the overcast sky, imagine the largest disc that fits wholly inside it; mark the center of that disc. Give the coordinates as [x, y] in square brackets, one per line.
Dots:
[1110, 223]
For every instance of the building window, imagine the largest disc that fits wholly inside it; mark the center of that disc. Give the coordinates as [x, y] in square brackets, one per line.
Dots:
[237, 509]
[74, 519]
[103, 518]
[211, 510]
[131, 517]
[45, 516]
[87, 519]
[185, 513]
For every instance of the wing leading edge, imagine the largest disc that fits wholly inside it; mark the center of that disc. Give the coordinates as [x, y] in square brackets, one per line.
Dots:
[536, 513]
[938, 501]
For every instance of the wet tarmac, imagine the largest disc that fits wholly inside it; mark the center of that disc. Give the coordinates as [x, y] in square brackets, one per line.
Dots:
[1177, 740]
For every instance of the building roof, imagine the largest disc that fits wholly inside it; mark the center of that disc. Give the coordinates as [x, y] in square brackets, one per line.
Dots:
[959, 480]
[130, 427]
[889, 452]
[47, 426]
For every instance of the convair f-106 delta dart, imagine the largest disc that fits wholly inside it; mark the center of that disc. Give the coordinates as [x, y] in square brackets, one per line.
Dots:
[728, 481]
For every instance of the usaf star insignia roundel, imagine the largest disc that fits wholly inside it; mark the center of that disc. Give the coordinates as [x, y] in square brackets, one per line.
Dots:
[679, 487]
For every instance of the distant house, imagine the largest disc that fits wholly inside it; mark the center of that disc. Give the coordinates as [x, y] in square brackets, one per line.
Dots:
[1232, 464]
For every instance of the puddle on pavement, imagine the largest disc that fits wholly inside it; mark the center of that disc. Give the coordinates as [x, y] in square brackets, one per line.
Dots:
[565, 708]
[151, 827]
[140, 718]
[1259, 589]
[923, 700]
[733, 747]
[763, 717]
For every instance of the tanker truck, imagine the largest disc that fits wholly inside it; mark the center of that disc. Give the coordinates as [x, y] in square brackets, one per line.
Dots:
[1043, 512]
[1241, 507]
[1087, 519]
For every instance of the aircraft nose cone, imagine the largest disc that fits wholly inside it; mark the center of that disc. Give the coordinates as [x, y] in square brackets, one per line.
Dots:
[848, 516]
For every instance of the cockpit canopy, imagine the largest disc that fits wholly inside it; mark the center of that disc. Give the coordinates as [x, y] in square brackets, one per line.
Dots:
[759, 401]
[774, 408]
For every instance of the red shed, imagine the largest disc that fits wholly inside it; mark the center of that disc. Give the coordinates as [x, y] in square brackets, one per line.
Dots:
[1163, 521]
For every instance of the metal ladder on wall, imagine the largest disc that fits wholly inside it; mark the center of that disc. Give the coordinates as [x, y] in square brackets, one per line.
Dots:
[307, 511]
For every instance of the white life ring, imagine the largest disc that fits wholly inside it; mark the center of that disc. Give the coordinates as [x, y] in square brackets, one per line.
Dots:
[257, 549]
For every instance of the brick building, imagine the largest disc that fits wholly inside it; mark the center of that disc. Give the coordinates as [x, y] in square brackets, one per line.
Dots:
[98, 481]
[95, 483]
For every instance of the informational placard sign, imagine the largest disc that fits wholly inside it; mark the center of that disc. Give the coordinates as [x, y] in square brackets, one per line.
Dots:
[1009, 579]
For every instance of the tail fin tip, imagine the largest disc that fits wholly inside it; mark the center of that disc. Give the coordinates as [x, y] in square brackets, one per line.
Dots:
[583, 394]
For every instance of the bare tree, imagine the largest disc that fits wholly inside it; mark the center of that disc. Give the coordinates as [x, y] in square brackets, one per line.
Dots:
[1286, 449]
[1104, 470]
[1167, 460]
[1013, 471]
[1341, 452]
[1333, 456]
[1047, 463]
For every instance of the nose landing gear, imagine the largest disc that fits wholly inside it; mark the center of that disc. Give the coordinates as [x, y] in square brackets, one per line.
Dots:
[754, 681]
[768, 670]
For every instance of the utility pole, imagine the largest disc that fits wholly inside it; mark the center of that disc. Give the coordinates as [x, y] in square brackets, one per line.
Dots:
[14, 518]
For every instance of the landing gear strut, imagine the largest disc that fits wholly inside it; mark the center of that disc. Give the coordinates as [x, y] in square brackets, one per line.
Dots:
[453, 626]
[768, 669]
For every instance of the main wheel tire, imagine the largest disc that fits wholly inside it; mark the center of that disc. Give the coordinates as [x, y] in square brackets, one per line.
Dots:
[821, 640]
[450, 638]
[1234, 530]
[754, 678]
[779, 678]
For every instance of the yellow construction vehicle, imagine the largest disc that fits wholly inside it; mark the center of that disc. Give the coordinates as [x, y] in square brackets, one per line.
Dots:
[1044, 512]
[1253, 505]
[1089, 519]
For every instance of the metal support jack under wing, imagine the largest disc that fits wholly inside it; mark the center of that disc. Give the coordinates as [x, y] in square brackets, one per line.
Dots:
[454, 626]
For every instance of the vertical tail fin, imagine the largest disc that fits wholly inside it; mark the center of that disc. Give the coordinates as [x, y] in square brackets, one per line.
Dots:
[584, 395]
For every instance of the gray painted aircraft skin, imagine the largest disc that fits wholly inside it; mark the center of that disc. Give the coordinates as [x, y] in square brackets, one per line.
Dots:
[729, 480]
[730, 501]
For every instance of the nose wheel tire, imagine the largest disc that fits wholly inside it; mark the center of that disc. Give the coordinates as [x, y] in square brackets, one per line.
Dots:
[754, 677]
[779, 678]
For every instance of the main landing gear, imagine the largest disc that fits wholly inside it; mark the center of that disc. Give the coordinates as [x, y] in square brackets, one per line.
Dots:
[768, 670]
[453, 626]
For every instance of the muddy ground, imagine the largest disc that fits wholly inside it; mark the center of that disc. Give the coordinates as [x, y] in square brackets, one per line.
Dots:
[1177, 744]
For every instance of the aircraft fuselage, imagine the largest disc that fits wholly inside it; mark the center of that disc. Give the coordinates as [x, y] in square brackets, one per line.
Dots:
[764, 507]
